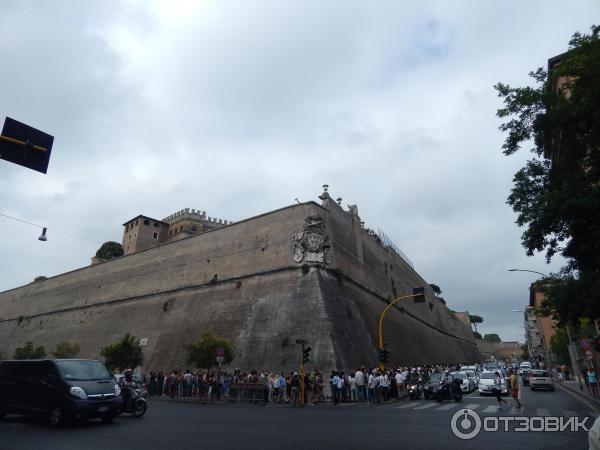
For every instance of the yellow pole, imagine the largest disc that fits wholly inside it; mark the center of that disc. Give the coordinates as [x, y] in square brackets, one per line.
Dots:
[17, 142]
[381, 320]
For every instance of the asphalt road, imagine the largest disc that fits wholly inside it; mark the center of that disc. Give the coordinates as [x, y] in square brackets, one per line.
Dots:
[408, 425]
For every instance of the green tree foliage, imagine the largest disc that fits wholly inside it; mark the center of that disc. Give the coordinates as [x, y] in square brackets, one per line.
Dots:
[110, 250]
[477, 335]
[475, 320]
[493, 337]
[435, 288]
[525, 354]
[40, 278]
[559, 345]
[66, 350]
[557, 194]
[202, 353]
[29, 352]
[125, 354]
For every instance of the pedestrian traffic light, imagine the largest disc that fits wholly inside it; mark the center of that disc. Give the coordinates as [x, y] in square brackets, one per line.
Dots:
[419, 294]
[305, 354]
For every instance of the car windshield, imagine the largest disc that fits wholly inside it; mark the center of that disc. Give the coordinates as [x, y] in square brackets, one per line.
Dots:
[435, 377]
[459, 375]
[487, 376]
[83, 370]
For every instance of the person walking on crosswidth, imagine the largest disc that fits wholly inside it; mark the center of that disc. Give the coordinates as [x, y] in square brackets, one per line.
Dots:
[514, 384]
[498, 388]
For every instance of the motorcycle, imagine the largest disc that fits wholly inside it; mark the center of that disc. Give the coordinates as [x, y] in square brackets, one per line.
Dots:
[137, 404]
[415, 390]
[442, 392]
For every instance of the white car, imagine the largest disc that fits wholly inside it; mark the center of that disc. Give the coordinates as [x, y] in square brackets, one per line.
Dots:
[540, 379]
[486, 383]
[467, 383]
[473, 376]
[524, 365]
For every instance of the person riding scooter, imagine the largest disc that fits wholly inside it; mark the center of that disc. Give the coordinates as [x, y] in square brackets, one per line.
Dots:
[127, 388]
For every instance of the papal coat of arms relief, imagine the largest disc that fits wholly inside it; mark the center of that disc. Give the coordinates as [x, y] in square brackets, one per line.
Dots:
[312, 244]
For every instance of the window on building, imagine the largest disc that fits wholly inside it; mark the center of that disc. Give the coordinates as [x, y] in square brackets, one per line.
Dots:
[155, 224]
[155, 235]
[170, 232]
[126, 228]
[194, 229]
[146, 222]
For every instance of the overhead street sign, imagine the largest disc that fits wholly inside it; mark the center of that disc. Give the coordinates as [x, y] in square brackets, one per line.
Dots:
[25, 146]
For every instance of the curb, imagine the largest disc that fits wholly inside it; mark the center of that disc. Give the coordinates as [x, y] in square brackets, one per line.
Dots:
[580, 394]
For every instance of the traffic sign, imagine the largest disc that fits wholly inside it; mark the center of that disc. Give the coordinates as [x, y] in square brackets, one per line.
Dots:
[220, 351]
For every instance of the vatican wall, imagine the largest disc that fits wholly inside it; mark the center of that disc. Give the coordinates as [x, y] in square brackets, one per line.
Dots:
[244, 282]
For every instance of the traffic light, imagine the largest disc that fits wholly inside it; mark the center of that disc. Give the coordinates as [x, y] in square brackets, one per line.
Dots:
[384, 355]
[419, 294]
[25, 146]
[305, 354]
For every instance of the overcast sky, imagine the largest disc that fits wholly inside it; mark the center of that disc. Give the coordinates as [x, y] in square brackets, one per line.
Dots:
[238, 107]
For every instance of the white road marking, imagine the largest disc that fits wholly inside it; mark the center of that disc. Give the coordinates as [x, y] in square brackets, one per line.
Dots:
[406, 405]
[471, 406]
[427, 406]
[447, 407]
[490, 409]
[542, 412]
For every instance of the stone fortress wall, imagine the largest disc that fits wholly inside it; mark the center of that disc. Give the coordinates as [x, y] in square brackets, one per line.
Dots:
[244, 281]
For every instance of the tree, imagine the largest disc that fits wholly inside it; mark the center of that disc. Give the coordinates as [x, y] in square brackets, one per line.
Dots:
[559, 345]
[28, 352]
[557, 194]
[493, 337]
[110, 250]
[435, 288]
[124, 354]
[475, 320]
[66, 350]
[39, 278]
[477, 335]
[202, 353]
[525, 354]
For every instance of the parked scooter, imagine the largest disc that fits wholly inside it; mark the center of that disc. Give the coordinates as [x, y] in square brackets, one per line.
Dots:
[443, 392]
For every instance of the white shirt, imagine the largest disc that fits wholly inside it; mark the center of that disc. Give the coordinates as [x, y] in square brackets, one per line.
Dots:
[371, 381]
[399, 379]
[384, 381]
[359, 377]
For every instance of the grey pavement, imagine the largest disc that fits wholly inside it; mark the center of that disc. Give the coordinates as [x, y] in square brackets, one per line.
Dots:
[418, 424]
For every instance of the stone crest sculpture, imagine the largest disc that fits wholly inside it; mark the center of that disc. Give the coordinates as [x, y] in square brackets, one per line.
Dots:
[312, 244]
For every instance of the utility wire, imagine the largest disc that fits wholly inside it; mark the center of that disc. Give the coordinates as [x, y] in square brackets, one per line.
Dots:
[49, 229]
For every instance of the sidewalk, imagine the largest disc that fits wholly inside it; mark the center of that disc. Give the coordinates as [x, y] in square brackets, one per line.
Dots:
[574, 387]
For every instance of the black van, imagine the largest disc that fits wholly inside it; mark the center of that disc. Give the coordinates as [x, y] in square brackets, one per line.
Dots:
[61, 389]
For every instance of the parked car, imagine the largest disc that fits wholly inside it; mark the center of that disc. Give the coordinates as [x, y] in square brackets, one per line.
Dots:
[486, 383]
[61, 389]
[540, 379]
[467, 384]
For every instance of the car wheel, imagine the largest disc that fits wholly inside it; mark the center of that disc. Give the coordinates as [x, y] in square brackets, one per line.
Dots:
[57, 416]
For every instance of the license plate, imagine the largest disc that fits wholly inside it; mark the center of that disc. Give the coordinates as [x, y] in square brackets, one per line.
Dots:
[103, 409]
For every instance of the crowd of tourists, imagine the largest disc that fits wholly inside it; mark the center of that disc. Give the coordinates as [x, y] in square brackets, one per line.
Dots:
[361, 384]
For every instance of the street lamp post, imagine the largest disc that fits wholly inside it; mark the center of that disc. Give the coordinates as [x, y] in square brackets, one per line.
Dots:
[572, 348]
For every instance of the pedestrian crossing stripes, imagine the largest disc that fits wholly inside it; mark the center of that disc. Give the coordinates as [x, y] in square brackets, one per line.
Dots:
[426, 406]
[471, 406]
[447, 407]
[406, 405]
[491, 409]
[542, 412]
